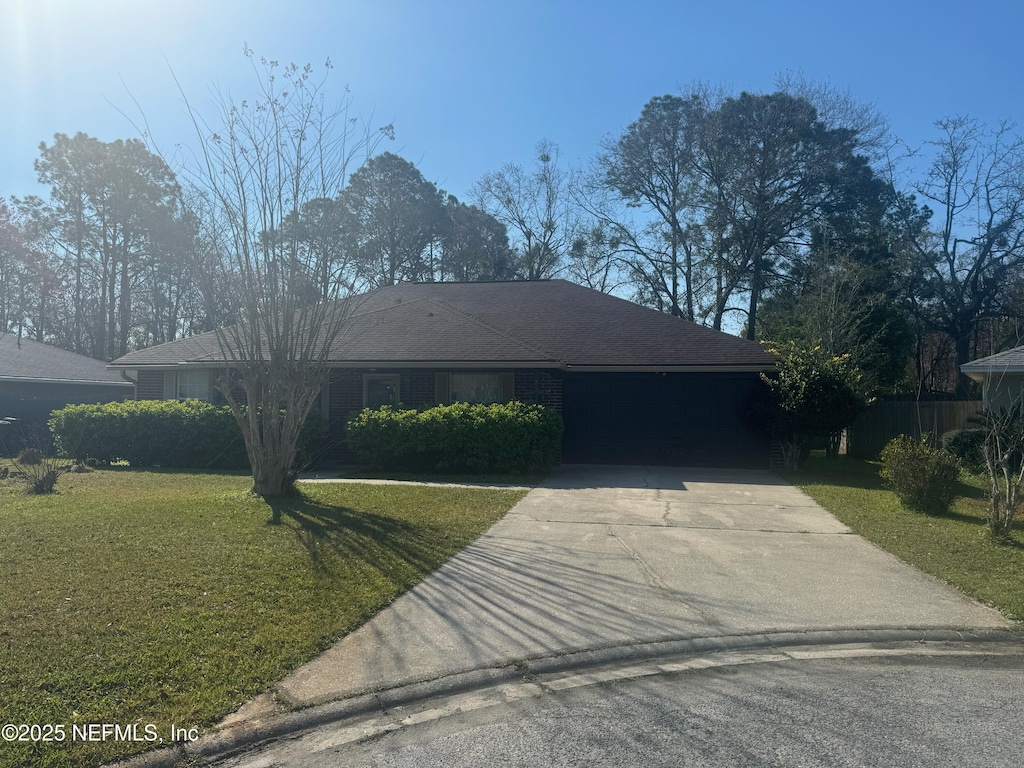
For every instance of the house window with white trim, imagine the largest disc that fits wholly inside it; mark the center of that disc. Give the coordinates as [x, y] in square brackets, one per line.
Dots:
[193, 385]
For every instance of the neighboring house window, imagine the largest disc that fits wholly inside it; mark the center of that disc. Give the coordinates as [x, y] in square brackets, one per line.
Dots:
[193, 385]
[482, 388]
[380, 389]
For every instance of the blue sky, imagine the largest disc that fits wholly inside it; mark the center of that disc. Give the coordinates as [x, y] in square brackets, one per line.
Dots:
[473, 85]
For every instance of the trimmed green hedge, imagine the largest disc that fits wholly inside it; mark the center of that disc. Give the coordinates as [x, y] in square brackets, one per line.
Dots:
[510, 437]
[162, 433]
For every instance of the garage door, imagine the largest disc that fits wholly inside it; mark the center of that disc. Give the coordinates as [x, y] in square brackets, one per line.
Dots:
[670, 419]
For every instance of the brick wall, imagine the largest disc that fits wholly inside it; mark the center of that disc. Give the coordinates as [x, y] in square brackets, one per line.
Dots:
[550, 391]
[345, 394]
[527, 387]
[539, 387]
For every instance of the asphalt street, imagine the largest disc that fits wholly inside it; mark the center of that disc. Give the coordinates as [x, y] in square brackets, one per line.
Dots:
[877, 711]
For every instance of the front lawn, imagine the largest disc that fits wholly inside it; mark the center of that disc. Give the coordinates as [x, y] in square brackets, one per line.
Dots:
[955, 547]
[169, 597]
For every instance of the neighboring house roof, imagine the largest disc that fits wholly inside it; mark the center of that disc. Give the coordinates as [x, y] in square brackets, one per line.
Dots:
[24, 360]
[1010, 361]
[544, 323]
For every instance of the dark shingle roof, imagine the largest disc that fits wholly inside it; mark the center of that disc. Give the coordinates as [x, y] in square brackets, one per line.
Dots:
[1012, 360]
[549, 323]
[26, 360]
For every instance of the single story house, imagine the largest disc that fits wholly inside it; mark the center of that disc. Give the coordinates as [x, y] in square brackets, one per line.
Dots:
[1001, 377]
[36, 379]
[633, 385]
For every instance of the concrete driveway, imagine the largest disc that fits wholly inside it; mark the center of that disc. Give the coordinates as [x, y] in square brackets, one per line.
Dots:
[618, 562]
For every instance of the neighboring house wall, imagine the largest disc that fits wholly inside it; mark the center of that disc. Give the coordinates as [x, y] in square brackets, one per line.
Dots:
[1003, 391]
[32, 403]
[36, 400]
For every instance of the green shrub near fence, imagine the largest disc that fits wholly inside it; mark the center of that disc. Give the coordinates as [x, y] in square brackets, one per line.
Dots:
[510, 437]
[924, 479]
[158, 433]
[966, 445]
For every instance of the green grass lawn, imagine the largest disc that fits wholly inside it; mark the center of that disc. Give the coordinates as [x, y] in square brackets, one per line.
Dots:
[955, 547]
[170, 598]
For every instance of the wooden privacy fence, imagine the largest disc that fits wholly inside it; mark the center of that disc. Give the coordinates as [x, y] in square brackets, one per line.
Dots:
[885, 419]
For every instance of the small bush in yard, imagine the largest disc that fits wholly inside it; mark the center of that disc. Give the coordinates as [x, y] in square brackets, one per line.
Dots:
[924, 479]
[966, 445]
[40, 472]
[30, 456]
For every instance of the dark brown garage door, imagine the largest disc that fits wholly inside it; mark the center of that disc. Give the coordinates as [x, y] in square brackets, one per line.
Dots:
[669, 419]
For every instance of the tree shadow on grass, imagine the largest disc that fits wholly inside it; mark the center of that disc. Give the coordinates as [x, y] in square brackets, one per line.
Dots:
[335, 533]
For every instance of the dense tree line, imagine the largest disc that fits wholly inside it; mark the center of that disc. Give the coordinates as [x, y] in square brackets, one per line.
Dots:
[120, 254]
[787, 215]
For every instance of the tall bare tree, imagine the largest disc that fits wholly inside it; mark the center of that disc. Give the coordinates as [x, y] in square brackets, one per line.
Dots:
[970, 255]
[536, 207]
[260, 162]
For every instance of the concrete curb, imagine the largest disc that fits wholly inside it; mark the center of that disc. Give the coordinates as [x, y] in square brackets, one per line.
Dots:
[593, 666]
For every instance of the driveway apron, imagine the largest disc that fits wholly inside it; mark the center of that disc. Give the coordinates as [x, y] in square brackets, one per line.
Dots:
[601, 556]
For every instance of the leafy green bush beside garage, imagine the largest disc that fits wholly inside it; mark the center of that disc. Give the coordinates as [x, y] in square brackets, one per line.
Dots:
[509, 437]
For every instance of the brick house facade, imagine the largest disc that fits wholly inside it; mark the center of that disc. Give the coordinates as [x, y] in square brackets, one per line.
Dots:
[633, 385]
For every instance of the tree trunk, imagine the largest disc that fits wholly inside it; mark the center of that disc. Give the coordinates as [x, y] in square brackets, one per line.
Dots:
[755, 297]
[963, 355]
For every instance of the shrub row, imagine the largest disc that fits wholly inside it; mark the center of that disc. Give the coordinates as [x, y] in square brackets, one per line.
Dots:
[924, 479]
[511, 437]
[164, 433]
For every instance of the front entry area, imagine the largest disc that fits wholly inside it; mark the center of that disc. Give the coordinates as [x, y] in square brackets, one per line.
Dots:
[667, 419]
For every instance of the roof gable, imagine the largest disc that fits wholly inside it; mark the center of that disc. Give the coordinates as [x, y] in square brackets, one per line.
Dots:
[1010, 361]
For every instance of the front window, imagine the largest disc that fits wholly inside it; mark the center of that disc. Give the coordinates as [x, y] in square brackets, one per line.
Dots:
[381, 389]
[482, 388]
[193, 385]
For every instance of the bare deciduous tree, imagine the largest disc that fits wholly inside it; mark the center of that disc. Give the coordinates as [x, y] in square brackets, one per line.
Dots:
[971, 257]
[1002, 449]
[535, 206]
[261, 162]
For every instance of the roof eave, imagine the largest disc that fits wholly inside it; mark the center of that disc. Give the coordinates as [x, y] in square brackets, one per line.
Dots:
[48, 380]
[439, 363]
[477, 364]
[979, 372]
[712, 368]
